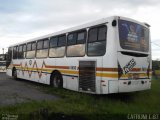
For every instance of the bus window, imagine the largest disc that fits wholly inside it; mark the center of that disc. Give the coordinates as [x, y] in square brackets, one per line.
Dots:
[46, 44]
[93, 35]
[133, 36]
[15, 52]
[20, 52]
[61, 41]
[24, 50]
[72, 39]
[102, 33]
[81, 38]
[42, 48]
[39, 45]
[76, 44]
[57, 46]
[96, 45]
[31, 47]
[53, 42]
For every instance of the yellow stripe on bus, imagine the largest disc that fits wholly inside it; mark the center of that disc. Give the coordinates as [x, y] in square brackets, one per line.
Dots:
[107, 75]
[74, 72]
[69, 72]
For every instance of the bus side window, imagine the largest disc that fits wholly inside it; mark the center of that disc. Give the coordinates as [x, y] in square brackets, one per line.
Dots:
[76, 44]
[62, 41]
[20, 52]
[39, 45]
[24, 50]
[57, 46]
[53, 42]
[15, 52]
[71, 39]
[31, 47]
[96, 45]
[42, 48]
[46, 44]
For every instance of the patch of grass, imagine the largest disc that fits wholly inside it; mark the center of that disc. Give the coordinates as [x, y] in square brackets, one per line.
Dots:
[77, 106]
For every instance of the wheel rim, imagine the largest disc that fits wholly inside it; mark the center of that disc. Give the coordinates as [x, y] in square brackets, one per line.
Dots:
[56, 81]
[15, 74]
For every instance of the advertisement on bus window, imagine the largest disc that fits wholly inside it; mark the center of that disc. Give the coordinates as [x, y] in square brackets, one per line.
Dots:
[133, 36]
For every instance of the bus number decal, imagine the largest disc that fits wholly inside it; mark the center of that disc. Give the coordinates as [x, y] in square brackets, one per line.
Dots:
[129, 66]
[72, 67]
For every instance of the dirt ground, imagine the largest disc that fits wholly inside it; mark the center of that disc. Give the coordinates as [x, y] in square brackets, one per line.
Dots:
[18, 91]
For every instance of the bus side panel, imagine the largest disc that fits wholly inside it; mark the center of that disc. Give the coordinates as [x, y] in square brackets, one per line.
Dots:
[113, 86]
[109, 82]
[28, 71]
[20, 72]
[9, 71]
[70, 82]
[69, 71]
[40, 71]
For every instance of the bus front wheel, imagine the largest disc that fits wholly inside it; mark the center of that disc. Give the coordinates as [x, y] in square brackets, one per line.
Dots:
[14, 73]
[56, 80]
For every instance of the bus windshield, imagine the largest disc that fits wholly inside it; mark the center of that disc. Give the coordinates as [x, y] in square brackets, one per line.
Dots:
[133, 36]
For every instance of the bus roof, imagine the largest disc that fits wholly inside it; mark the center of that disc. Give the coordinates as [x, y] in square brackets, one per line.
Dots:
[86, 25]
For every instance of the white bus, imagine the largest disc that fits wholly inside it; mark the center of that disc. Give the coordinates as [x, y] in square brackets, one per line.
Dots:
[110, 55]
[2, 62]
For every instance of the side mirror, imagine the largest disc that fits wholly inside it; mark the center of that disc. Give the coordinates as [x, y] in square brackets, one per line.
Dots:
[114, 23]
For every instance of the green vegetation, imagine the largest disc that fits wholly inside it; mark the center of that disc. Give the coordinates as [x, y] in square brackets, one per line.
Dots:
[79, 106]
[156, 68]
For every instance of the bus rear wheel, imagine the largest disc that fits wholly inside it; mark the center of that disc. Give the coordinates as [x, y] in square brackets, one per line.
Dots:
[56, 80]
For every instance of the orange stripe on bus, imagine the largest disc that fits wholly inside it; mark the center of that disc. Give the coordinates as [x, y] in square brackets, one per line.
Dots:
[69, 72]
[16, 64]
[136, 69]
[98, 74]
[106, 69]
[60, 67]
[97, 69]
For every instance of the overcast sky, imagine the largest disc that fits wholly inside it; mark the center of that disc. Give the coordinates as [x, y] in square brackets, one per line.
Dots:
[21, 20]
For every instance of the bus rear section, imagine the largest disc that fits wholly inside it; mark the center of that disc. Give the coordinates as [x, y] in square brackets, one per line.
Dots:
[133, 73]
[134, 56]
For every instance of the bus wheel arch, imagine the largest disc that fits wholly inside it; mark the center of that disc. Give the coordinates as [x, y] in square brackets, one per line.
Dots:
[56, 79]
[14, 73]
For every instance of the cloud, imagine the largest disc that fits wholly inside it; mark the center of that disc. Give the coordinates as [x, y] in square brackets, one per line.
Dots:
[14, 6]
[38, 14]
[25, 19]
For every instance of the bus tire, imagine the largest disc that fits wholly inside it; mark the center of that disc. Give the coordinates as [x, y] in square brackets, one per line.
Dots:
[14, 73]
[56, 80]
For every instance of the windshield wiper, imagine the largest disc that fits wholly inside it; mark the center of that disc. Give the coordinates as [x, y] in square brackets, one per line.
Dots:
[134, 54]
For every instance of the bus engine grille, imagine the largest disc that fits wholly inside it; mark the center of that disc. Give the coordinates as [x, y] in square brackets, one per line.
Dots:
[87, 72]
